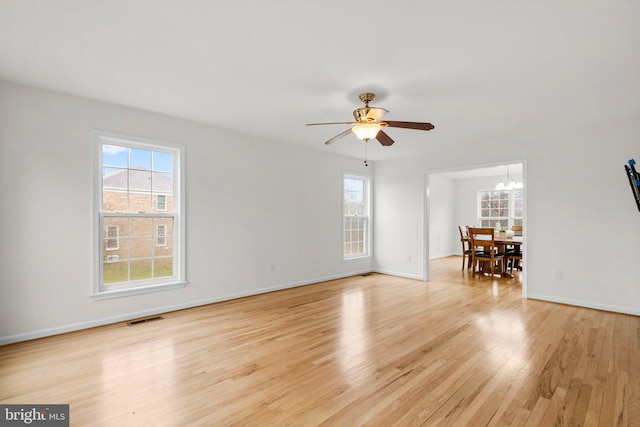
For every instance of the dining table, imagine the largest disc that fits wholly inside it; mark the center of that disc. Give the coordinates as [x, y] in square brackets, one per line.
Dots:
[502, 241]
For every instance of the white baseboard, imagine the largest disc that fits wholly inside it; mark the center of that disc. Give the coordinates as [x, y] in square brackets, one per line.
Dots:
[439, 255]
[41, 333]
[395, 273]
[585, 304]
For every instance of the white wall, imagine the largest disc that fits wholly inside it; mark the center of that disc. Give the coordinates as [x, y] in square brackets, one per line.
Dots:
[581, 220]
[442, 226]
[399, 212]
[250, 202]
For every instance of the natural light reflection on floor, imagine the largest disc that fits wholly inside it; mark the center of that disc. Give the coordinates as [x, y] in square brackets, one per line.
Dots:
[507, 338]
[354, 338]
[140, 366]
[495, 291]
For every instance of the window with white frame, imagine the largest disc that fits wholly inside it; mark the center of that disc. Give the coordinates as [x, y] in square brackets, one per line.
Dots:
[503, 206]
[356, 222]
[161, 232]
[161, 202]
[111, 239]
[140, 246]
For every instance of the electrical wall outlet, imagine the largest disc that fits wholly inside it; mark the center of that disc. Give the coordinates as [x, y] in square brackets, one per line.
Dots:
[557, 274]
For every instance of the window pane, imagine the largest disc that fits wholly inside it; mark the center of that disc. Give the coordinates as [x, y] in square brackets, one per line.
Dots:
[165, 249]
[114, 272]
[163, 267]
[115, 228]
[140, 159]
[115, 183]
[162, 161]
[162, 185]
[141, 227]
[141, 247]
[140, 269]
[114, 155]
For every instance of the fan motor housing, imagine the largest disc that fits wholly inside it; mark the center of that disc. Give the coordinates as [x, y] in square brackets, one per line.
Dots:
[368, 114]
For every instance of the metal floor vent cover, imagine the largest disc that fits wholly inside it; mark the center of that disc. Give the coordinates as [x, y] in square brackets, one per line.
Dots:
[145, 320]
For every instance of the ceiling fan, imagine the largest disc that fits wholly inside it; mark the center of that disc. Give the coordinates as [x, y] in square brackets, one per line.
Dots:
[368, 124]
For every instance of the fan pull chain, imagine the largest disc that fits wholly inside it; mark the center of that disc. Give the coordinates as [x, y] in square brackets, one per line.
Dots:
[365, 153]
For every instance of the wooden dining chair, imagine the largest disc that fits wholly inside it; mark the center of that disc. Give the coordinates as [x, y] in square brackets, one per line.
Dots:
[466, 245]
[513, 259]
[484, 250]
[514, 253]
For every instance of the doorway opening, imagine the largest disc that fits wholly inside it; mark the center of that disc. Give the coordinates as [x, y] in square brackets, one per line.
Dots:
[453, 198]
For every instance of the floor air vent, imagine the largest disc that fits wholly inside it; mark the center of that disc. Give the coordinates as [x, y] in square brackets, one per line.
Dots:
[145, 320]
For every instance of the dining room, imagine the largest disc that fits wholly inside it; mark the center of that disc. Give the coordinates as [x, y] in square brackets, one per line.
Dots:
[489, 196]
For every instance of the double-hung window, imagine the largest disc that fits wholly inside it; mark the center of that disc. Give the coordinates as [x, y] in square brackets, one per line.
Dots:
[139, 216]
[503, 206]
[356, 211]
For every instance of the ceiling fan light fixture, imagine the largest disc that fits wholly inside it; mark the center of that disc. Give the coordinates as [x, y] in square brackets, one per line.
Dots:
[366, 131]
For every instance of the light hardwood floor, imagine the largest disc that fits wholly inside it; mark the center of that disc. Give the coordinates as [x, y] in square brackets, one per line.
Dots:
[375, 350]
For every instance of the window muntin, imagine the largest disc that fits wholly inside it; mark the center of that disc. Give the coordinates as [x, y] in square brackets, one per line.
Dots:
[139, 206]
[356, 216]
[503, 206]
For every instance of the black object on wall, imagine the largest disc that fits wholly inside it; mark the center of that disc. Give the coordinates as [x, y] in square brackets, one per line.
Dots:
[634, 180]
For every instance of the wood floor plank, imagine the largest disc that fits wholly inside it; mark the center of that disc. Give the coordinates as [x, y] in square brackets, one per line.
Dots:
[365, 350]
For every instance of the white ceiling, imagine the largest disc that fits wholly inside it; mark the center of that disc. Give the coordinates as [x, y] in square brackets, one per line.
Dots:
[502, 171]
[479, 71]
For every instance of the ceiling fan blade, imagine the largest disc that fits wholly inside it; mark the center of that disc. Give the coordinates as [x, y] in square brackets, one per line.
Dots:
[337, 137]
[410, 125]
[384, 139]
[331, 123]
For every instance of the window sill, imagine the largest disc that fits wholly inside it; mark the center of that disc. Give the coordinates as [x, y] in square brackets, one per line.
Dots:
[356, 258]
[119, 293]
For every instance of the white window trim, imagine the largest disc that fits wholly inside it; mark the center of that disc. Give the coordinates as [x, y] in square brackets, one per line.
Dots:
[178, 280]
[367, 238]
